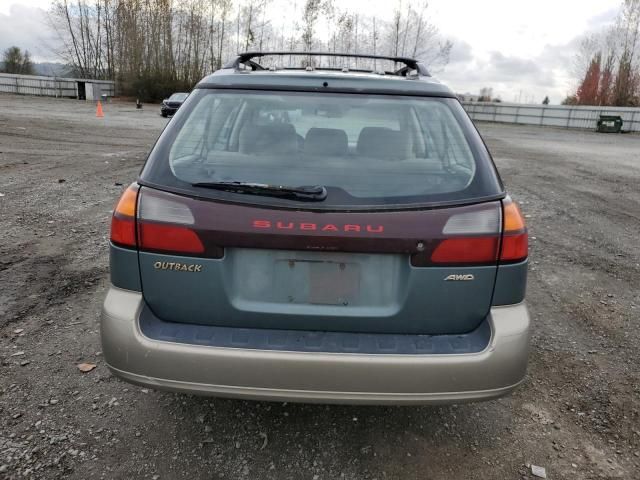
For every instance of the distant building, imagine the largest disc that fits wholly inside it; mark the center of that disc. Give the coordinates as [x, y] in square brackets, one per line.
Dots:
[80, 88]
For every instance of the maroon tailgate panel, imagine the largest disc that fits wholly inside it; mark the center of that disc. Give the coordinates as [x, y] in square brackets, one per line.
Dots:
[231, 225]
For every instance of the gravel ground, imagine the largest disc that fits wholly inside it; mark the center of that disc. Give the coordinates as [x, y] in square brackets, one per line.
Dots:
[61, 170]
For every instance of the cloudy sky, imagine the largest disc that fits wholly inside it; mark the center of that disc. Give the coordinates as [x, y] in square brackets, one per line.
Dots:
[523, 50]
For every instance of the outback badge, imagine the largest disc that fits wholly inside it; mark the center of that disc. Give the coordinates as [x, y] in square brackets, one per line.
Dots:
[460, 278]
[181, 267]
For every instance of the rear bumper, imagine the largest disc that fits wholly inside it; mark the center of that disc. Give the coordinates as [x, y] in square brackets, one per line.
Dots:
[314, 376]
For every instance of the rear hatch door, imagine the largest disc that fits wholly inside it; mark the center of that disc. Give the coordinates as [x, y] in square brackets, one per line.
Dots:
[405, 240]
[421, 271]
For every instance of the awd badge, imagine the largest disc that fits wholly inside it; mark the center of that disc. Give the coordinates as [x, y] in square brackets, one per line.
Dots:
[460, 278]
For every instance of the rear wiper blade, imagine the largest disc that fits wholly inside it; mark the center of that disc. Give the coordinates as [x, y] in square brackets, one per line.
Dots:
[313, 193]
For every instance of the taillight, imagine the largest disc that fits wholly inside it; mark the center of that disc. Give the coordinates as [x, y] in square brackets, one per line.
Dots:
[166, 225]
[123, 221]
[169, 238]
[466, 250]
[515, 240]
[472, 238]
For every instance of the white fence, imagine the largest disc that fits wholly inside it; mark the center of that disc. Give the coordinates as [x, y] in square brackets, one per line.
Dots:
[553, 116]
[55, 86]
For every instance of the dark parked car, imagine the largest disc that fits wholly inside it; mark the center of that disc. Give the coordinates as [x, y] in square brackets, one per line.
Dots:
[171, 105]
[319, 235]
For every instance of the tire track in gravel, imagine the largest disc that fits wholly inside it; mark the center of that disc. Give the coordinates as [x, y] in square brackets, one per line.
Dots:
[41, 282]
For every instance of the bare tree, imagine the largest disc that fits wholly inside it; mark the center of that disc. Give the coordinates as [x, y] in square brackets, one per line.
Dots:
[412, 34]
[396, 31]
[153, 47]
[625, 89]
[15, 60]
[310, 14]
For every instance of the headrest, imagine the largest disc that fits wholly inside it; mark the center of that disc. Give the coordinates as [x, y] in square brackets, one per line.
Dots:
[382, 142]
[275, 138]
[326, 141]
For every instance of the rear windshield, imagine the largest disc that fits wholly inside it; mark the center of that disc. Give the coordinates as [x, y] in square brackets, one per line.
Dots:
[366, 150]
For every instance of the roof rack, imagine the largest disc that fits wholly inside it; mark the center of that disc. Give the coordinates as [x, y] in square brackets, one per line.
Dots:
[410, 64]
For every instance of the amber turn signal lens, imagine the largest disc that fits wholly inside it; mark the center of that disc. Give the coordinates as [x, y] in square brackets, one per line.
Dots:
[123, 222]
[127, 203]
[515, 240]
[513, 219]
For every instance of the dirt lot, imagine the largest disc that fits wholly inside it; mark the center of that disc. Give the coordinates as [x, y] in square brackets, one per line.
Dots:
[61, 170]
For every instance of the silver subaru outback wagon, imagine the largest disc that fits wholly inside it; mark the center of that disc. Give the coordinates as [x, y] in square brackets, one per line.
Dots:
[319, 235]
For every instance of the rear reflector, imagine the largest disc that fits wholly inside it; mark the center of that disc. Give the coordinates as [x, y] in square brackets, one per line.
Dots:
[123, 222]
[169, 238]
[515, 240]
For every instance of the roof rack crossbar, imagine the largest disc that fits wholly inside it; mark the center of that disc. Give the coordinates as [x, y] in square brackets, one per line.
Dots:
[247, 57]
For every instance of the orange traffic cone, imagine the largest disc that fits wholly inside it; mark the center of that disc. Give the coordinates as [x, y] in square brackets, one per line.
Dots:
[99, 112]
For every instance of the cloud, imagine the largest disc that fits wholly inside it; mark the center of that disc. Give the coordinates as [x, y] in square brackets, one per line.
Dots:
[506, 74]
[603, 19]
[461, 51]
[516, 68]
[512, 76]
[27, 28]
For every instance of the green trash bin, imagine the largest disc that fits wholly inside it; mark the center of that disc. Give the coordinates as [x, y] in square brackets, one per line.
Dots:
[609, 124]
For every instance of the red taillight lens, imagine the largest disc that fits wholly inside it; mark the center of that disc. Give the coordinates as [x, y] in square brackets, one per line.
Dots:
[514, 247]
[169, 238]
[515, 241]
[123, 231]
[466, 250]
[123, 222]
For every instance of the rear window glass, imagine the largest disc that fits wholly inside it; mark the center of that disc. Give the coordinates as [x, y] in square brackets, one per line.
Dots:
[365, 149]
